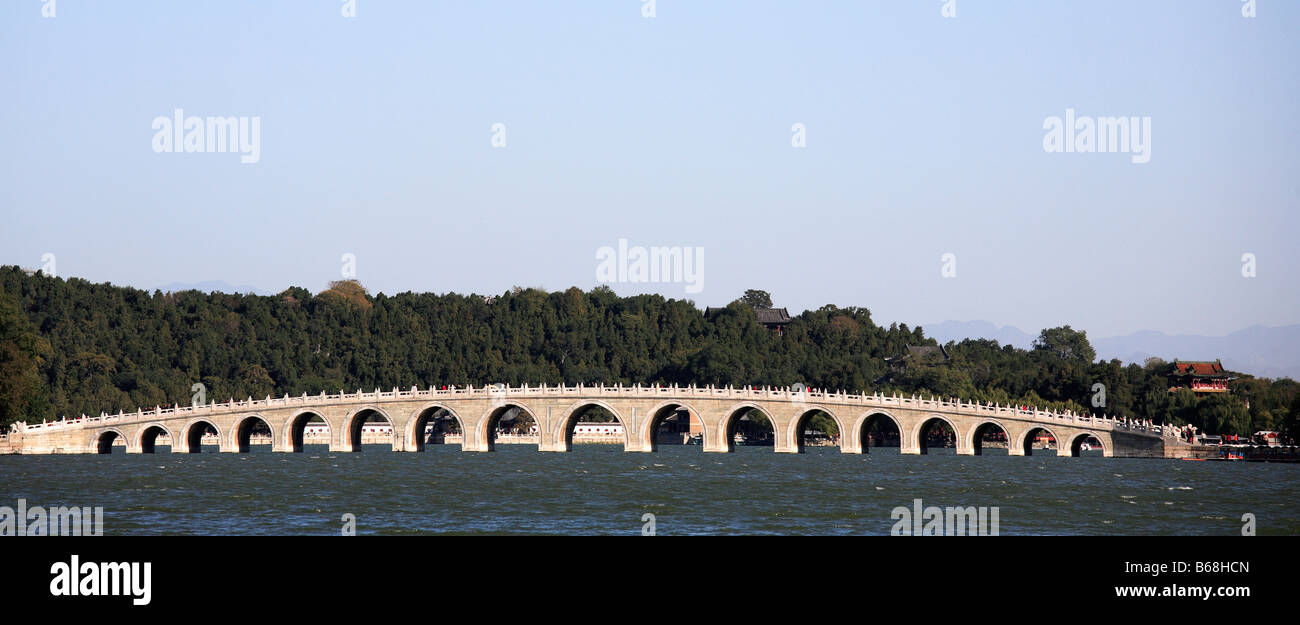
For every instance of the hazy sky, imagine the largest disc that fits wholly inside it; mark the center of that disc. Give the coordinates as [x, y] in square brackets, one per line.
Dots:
[924, 137]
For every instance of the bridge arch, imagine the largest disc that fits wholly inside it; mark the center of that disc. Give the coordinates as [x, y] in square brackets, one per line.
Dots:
[1074, 448]
[863, 427]
[293, 432]
[194, 431]
[104, 440]
[975, 437]
[1027, 439]
[356, 419]
[148, 436]
[414, 431]
[796, 428]
[731, 422]
[922, 428]
[562, 435]
[242, 433]
[488, 423]
[649, 433]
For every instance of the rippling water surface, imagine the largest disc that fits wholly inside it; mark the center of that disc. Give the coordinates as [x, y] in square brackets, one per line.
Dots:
[599, 489]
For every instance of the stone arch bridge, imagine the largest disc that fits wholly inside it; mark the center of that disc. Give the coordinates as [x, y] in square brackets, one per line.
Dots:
[555, 409]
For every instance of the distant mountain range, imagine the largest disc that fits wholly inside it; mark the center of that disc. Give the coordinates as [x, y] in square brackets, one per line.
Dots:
[1257, 350]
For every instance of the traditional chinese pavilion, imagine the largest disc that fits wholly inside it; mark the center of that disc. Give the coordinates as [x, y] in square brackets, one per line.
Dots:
[1199, 376]
[771, 318]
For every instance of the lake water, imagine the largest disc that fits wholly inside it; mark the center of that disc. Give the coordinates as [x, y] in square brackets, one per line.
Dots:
[599, 489]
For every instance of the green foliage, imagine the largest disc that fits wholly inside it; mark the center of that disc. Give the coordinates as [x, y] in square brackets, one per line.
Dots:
[1066, 344]
[23, 395]
[757, 299]
[69, 347]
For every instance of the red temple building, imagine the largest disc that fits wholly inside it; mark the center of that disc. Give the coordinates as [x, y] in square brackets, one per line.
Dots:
[1199, 376]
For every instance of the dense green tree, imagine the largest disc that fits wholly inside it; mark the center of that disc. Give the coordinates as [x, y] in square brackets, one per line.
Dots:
[1066, 344]
[69, 347]
[757, 299]
[23, 352]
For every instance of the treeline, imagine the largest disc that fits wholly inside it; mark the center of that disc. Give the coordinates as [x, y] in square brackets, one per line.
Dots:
[69, 347]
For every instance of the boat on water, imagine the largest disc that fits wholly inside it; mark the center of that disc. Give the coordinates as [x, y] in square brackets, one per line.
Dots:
[744, 441]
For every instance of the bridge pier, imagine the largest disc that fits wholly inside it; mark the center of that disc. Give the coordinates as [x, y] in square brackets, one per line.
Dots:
[851, 442]
[718, 443]
[472, 439]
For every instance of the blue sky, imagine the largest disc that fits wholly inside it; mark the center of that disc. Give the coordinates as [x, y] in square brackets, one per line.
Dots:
[924, 138]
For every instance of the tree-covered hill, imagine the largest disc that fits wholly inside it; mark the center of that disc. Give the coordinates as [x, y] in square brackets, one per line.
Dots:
[69, 347]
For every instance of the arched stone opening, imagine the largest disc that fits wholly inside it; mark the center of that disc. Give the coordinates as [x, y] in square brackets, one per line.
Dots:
[195, 434]
[253, 431]
[436, 425]
[880, 430]
[370, 426]
[107, 440]
[510, 424]
[749, 426]
[936, 433]
[816, 428]
[593, 422]
[1040, 440]
[990, 436]
[149, 438]
[308, 428]
[675, 425]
